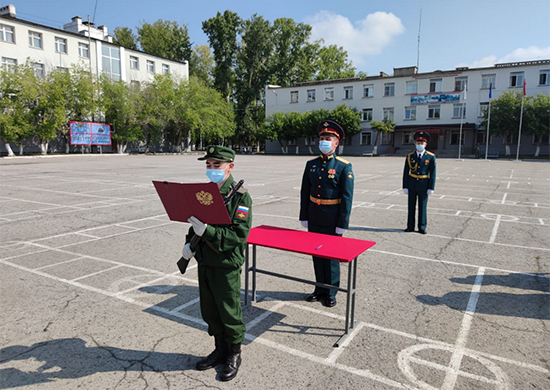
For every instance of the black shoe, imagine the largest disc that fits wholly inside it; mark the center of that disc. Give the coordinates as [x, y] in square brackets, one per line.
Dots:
[313, 297]
[218, 356]
[407, 230]
[232, 363]
[422, 231]
[329, 301]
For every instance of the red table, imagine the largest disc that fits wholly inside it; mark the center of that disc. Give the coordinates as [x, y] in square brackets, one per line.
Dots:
[345, 250]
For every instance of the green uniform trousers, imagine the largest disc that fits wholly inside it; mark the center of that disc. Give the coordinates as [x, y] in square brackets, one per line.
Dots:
[220, 302]
[326, 270]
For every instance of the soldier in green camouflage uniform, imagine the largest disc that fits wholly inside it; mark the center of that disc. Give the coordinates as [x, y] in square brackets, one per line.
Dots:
[220, 256]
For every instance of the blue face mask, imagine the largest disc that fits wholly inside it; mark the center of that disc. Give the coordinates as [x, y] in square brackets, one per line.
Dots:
[420, 147]
[325, 146]
[215, 175]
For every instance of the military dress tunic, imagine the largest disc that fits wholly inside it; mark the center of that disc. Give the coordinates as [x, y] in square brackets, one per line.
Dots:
[220, 256]
[326, 198]
[418, 178]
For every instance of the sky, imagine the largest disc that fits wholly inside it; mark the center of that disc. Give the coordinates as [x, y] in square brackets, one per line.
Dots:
[378, 35]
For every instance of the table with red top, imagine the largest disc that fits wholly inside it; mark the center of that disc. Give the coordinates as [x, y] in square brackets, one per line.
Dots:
[345, 250]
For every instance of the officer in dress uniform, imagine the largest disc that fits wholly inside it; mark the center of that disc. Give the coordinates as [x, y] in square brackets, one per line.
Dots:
[325, 204]
[220, 256]
[419, 180]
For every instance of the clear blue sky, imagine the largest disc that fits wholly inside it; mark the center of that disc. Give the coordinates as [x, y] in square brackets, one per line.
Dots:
[377, 34]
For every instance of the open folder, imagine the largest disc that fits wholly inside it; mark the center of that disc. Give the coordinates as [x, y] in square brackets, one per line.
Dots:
[202, 200]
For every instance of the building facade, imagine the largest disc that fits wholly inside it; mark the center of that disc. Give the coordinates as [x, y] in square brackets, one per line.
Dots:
[79, 42]
[447, 104]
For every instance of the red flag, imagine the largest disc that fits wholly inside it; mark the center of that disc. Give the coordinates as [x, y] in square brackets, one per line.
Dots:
[524, 87]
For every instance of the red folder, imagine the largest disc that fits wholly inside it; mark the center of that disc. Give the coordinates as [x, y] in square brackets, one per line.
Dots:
[202, 200]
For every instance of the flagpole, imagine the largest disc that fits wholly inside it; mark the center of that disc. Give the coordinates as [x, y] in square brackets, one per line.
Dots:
[488, 121]
[461, 118]
[520, 120]
[521, 116]
[488, 125]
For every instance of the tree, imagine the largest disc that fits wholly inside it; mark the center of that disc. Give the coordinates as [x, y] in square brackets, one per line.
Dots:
[18, 94]
[125, 37]
[165, 39]
[284, 127]
[222, 35]
[537, 118]
[293, 55]
[201, 64]
[332, 63]
[386, 126]
[505, 113]
[252, 74]
[119, 103]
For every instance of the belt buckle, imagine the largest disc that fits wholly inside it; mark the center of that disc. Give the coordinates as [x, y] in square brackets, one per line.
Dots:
[318, 202]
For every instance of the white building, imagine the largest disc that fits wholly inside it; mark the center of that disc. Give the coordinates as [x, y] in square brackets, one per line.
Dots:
[433, 102]
[79, 42]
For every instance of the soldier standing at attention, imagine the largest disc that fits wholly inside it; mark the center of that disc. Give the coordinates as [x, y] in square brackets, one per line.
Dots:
[419, 180]
[220, 256]
[325, 204]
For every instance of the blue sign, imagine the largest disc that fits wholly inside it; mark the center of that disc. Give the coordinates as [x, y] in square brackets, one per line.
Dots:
[88, 133]
[433, 99]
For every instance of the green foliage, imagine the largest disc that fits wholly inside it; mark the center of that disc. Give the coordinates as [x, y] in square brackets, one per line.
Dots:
[165, 39]
[222, 36]
[332, 63]
[505, 113]
[537, 116]
[385, 126]
[125, 37]
[201, 64]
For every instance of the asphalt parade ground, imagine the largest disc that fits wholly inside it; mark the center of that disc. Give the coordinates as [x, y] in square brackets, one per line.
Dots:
[91, 297]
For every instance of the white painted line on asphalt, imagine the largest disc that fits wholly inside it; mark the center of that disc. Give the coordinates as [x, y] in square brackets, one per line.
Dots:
[264, 315]
[495, 229]
[336, 352]
[96, 273]
[504, 197]
[185, 305]
[61, 262]
[458, 352]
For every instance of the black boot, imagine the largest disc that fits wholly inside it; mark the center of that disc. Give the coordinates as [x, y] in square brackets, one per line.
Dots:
[218, 356]
[232, 363]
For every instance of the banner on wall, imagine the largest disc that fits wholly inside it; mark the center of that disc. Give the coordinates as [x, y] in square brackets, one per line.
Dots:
[90, 133]
[441, 98]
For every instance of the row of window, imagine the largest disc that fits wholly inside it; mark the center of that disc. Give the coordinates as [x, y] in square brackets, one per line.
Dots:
[433, 112]
[111, 61]
[411, 88]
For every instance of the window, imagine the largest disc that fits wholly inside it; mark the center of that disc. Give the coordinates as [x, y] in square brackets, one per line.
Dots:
[39, 70]
[134, 62]
[35, 39]
[329, 93]
[9, 64]
[545, 139]
[63, 69]
[410, 113]
[455, 137]
[480, 138]
[150, 66]
[309, 141]
[310, 95]
[292, 142]
[483, 107]
[516, 79]
[348, 92]
[412, 87]
[487, 80]
[111, 62]
[389, 89]
[460, 83]
[60, 45]
[6, 33]
[165, 69]
[83, 50]
[294, 96]
[435, 85]
[388, 113]
[407, 138]
[366, 138]
[544, 77]
[368, 90]
[366, 114]
[434, 111]
[459, 110]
